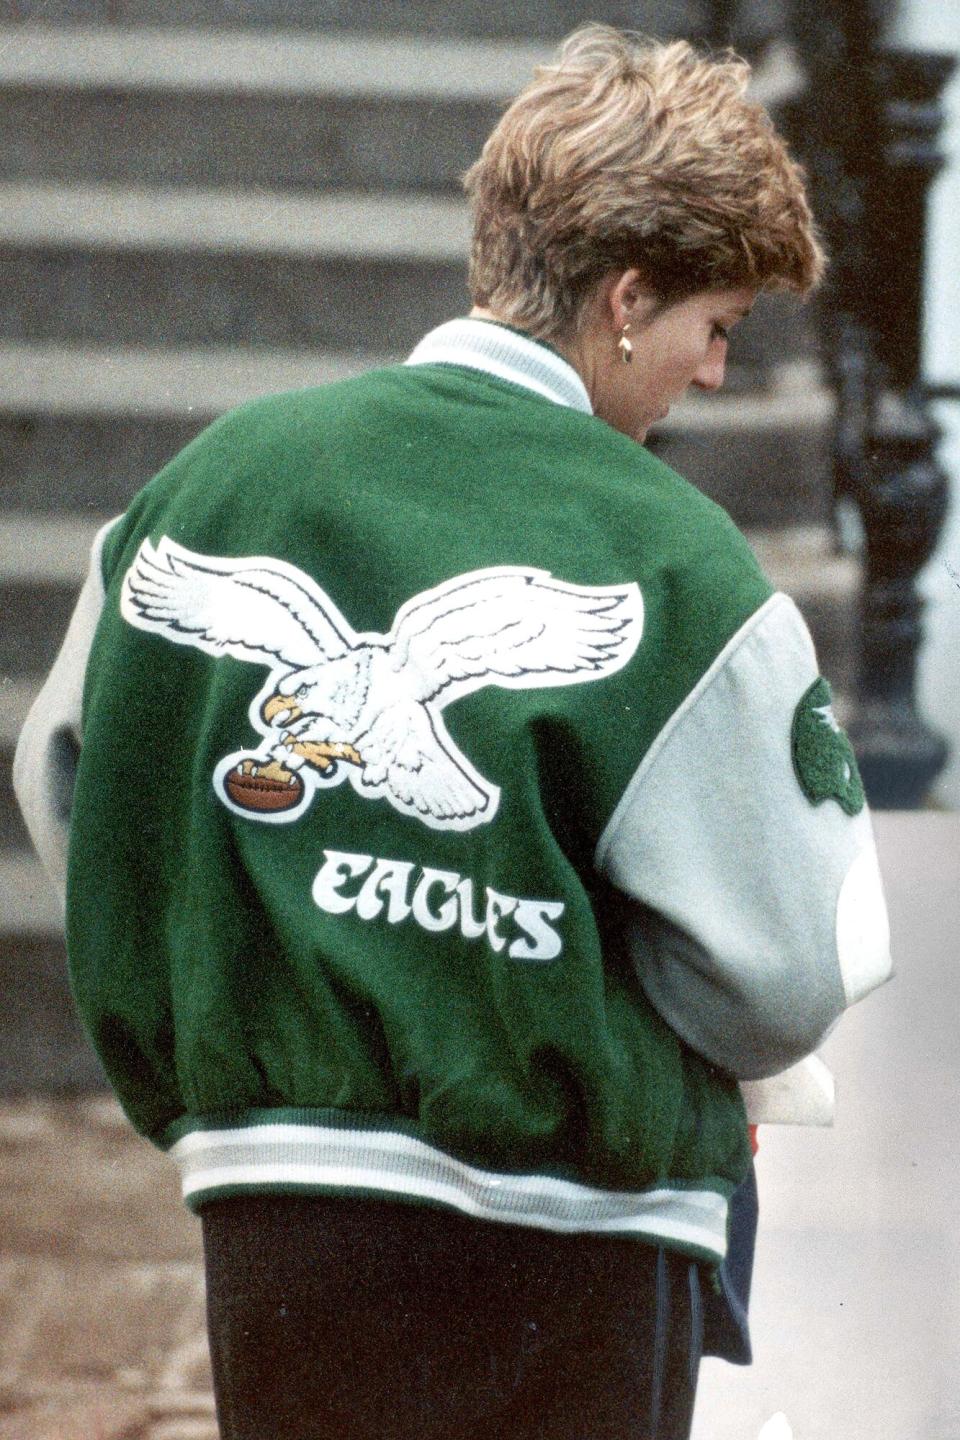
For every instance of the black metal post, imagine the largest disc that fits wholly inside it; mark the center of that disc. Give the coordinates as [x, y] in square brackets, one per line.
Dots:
[902, 496]
[718, 25]
[835, 123]
[868, 129]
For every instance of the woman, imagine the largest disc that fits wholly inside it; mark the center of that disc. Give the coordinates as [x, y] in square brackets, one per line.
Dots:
[459, 815]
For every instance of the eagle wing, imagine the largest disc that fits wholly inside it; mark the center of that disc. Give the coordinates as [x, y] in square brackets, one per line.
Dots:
[514, 628]
[408, 754]
[259, 610]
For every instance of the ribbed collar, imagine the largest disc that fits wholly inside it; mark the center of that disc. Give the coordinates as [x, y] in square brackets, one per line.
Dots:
[485, 345]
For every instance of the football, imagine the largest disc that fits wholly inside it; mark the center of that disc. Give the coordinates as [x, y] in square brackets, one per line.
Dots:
[262, 793]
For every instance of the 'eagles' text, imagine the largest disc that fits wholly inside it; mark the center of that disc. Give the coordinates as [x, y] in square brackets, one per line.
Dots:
[436, 900]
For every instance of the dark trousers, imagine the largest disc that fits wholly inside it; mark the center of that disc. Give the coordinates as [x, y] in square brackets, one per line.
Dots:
[347, 1319]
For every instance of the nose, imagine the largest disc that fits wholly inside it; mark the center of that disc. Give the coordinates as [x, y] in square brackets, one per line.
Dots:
[710, 374]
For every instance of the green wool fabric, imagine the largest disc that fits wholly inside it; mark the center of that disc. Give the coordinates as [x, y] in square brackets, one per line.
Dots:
[217, 987]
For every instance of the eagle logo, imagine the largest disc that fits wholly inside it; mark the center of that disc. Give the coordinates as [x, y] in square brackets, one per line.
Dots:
[340, 705]
[823, 757]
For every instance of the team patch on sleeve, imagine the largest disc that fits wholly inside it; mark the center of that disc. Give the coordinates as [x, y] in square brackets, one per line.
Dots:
[822, 754]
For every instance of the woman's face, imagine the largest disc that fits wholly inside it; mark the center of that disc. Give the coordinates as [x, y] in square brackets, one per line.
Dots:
[682, 346]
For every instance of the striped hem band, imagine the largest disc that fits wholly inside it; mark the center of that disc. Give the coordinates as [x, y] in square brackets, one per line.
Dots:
[319, 1158]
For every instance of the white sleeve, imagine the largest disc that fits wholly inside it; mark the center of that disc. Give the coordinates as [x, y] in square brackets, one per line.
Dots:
[744, 839]
[45, 762]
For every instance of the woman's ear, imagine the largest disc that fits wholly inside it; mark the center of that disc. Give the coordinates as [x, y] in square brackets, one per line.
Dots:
[627, 298]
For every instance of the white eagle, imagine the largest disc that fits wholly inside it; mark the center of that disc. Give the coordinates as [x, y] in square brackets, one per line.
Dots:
[375, 701]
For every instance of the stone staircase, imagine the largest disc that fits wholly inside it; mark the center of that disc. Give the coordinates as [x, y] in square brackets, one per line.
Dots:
[206, 200]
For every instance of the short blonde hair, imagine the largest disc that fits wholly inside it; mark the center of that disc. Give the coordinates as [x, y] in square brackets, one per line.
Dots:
[627, 152]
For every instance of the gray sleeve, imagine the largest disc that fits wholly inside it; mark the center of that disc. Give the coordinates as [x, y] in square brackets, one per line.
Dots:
[45, 762]
[759, 909]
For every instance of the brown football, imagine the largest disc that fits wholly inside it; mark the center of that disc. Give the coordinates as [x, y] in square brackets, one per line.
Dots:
[261, 793]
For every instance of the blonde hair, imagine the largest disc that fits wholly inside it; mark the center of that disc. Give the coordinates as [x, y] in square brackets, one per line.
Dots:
[626, 152]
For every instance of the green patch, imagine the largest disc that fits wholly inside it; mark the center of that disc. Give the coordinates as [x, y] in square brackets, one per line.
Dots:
[822, 754]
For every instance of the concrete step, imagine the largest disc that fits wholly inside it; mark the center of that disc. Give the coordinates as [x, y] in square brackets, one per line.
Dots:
[268, 109]
[764, 456]
[157, 383]
[42, 1044]
[347, 66]
[82, 428]
[36, 613]
[42, 564]
[160, 219]
[802, 561]
[548, 18]
[276, 111]
[16, 697]
[28, 906]
[50, 550]
[105, 264]
[376, 144]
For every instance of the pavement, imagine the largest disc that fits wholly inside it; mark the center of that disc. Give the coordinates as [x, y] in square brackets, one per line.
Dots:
[102, 1331]
[856, 1308]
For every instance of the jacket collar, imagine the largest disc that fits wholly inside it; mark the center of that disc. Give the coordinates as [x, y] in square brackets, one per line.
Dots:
[507, 354]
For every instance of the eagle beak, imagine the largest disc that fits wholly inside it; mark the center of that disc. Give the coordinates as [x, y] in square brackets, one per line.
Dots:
[281, 710]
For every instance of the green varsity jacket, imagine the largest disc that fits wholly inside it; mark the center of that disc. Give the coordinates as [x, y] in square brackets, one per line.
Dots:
[456, 813]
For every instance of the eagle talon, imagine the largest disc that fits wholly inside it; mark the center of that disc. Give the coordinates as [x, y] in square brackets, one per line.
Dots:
[272, 770]
[323, 755]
